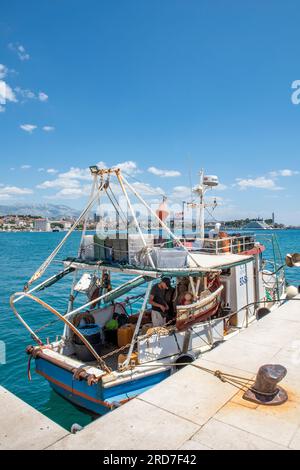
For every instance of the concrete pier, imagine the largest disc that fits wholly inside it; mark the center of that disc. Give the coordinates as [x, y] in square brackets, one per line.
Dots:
[195, 410]
[23, 427]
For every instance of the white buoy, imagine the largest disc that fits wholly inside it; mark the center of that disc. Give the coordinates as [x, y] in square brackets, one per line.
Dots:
[291, 292]
[76, 428]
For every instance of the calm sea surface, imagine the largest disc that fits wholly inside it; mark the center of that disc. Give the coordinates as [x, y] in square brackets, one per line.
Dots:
[20, 255]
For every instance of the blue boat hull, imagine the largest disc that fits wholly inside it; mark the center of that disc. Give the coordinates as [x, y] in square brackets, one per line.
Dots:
[95, 398]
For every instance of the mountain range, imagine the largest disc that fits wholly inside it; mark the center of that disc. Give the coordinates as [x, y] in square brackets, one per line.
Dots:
[43, 210]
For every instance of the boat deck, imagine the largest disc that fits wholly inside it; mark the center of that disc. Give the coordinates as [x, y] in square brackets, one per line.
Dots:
[112, 360]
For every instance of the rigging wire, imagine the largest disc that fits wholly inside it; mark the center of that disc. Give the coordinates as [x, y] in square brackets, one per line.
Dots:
[149, 189]
[117, 204]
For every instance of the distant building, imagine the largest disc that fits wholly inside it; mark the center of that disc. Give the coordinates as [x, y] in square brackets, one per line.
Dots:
[67, 225]
[257, 225]
[42, 225]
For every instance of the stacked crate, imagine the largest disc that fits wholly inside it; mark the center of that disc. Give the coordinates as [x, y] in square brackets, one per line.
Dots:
[136, 246]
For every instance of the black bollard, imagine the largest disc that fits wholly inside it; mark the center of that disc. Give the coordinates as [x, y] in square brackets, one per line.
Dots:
[265, 390]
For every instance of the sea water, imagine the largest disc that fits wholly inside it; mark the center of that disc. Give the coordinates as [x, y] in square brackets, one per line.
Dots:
[20, 255]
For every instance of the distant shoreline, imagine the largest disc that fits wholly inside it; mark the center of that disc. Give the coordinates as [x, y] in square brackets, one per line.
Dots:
[234, 229]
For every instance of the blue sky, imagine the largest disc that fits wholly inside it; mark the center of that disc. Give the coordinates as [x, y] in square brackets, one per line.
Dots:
[171, 85]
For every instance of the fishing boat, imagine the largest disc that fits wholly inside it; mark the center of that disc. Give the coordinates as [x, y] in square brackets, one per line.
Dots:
[109, 352]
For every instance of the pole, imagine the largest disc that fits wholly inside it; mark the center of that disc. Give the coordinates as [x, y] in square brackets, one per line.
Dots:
[138, 323]
[182, 220]
[201, 212]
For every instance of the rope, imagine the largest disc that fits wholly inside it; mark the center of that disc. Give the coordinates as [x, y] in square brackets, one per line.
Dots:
[240, 382]
[126, 346]
[118, 205]
[148, 189]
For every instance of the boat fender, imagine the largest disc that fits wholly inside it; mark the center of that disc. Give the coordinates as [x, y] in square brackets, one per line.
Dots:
[262, 312]
[185, 359]
[291, 292]
[75, 428]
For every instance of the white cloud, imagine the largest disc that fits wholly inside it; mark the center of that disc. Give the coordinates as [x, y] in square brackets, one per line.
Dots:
[25, 167]
[72, 184]
[28, 127]
[147, 189]
[163, 173]
[261, 182]
[42, 96]
[60, 183]
[3, 71]
[129, 167]
[25, 93]
[72, 193]
[6, 94]
[181, 192]
[48, 128]
[20, 50]
[220, 187]
[285, 172]
[7, 192]
[76, 173]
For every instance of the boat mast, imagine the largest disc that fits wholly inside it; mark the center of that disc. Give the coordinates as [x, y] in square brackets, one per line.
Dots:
[201, 204]
[199, 190]
[205, 183]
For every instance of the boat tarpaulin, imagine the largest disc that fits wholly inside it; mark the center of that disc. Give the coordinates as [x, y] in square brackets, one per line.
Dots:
[56, 278]
[123, 289]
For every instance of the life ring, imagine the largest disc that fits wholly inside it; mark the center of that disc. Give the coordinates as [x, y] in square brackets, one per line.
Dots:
[86, 316]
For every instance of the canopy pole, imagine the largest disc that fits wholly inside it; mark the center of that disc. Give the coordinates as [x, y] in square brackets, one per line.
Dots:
[134, 218]
[35, 288]
[161, 222]
[138, 323]
[71, 296]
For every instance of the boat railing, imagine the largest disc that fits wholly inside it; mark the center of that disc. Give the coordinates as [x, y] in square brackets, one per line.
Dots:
[117, 249]
[233, 244]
